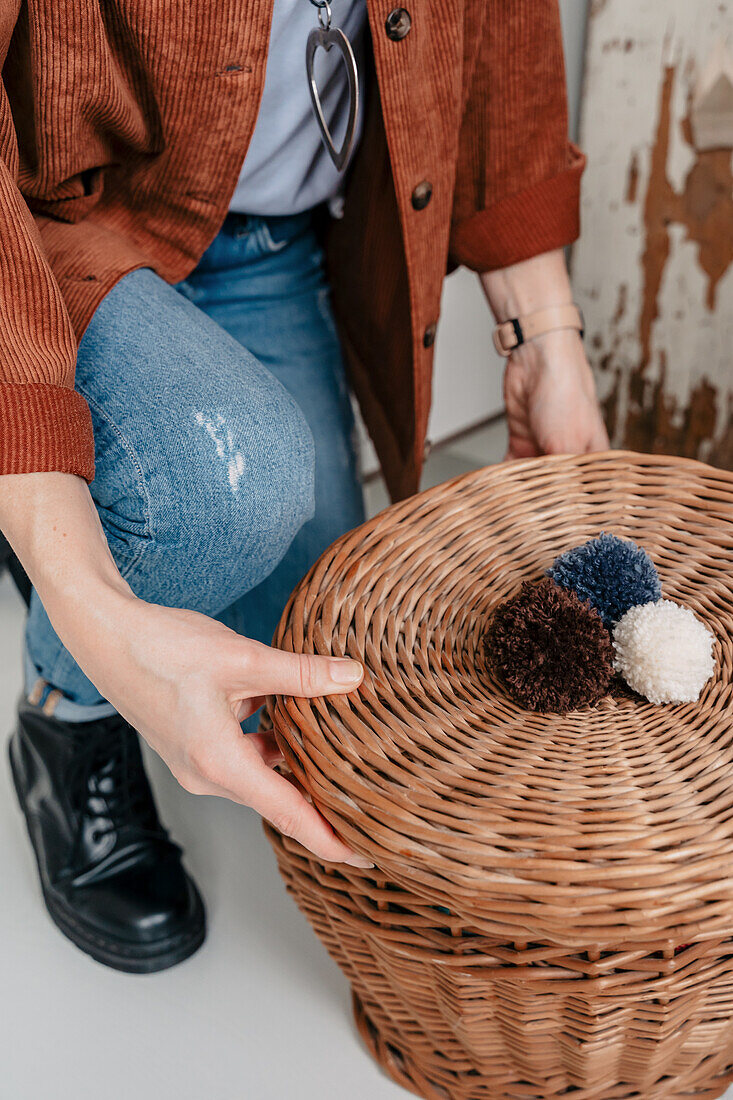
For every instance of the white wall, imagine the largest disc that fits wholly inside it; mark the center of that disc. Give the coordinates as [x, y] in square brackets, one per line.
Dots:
[574, 18]
[468, 372]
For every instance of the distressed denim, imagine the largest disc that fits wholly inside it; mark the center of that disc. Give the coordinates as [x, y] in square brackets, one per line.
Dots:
[225, 460]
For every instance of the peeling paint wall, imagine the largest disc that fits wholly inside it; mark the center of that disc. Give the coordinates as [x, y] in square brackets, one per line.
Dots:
[653, 270]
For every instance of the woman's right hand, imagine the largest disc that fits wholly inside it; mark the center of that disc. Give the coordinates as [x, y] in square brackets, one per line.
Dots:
[184, 681]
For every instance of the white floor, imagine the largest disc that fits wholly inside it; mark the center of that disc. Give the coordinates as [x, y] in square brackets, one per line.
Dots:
[260, 1013]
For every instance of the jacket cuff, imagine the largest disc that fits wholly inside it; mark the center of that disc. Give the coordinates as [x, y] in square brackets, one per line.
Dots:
[45, 428]
[539, 219]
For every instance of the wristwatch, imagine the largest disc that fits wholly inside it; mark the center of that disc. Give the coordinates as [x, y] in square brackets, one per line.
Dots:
[512, 334]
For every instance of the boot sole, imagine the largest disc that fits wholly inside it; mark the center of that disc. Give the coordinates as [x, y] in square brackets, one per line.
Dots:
[129, 958]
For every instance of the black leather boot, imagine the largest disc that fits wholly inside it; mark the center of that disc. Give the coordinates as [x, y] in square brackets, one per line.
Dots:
[112, 879]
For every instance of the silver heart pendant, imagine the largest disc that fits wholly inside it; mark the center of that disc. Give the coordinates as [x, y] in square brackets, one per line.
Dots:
[327, 38]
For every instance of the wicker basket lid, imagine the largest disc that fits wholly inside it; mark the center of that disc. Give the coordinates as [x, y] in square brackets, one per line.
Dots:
[604, 826]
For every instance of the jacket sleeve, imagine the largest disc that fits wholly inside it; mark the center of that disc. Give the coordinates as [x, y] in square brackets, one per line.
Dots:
[44, 424]
[518, 182]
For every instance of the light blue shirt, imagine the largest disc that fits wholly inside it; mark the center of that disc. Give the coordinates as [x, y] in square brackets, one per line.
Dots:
[287, 168]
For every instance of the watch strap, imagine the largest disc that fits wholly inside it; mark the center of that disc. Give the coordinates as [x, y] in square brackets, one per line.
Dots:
[512, 334]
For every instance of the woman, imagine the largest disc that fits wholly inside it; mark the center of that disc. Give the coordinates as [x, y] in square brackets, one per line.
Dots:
[169, 313]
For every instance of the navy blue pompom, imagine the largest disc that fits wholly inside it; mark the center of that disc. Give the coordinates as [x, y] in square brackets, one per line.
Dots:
[613, 574]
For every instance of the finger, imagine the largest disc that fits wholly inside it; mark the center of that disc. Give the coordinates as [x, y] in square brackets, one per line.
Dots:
[275, 672]
[294, 817]
[266, 744]
[284, 806]
[247, 707]
[558, 444]
[295, 782]
[235, 770]
[595, 439]
[522, 448]
[600, 440]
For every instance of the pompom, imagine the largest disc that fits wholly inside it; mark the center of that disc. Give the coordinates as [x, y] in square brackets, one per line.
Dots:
[551, 650]
[614, 574]
[664, 652]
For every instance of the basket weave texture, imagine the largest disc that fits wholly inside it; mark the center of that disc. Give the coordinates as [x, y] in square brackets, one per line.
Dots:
[552, 905]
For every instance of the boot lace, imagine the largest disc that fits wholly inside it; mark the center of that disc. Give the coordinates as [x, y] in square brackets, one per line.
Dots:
[107, 784]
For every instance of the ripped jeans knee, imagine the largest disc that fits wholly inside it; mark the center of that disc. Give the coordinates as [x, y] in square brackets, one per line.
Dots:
[204, 461]
[215, 522]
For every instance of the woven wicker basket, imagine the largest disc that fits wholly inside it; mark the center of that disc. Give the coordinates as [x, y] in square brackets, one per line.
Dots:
[552, 905]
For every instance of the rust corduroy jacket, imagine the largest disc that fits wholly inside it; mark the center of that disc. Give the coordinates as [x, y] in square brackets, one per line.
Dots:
[123, 128]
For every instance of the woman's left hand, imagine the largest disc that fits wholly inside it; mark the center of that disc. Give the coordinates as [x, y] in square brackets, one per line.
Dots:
[550, 397]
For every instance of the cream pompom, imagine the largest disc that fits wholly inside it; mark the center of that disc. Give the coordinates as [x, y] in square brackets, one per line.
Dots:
[664, 652]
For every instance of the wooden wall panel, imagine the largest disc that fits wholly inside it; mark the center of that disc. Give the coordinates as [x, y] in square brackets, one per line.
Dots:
[653, 270]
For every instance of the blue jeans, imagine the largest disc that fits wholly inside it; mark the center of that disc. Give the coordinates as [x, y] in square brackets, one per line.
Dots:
[225, 460]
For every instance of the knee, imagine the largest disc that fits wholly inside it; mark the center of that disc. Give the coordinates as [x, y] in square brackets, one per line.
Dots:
[270, 475]
[248, 488]
[205, 464]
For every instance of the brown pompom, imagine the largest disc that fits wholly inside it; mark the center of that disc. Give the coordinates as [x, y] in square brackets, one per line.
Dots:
[550, 648]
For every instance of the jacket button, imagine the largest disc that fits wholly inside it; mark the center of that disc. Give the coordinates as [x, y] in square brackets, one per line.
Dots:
[397, 24]
[428, 337]
[422, 195]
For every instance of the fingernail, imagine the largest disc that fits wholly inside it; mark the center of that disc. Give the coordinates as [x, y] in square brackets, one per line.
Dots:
[345, 671]
[359, 861]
